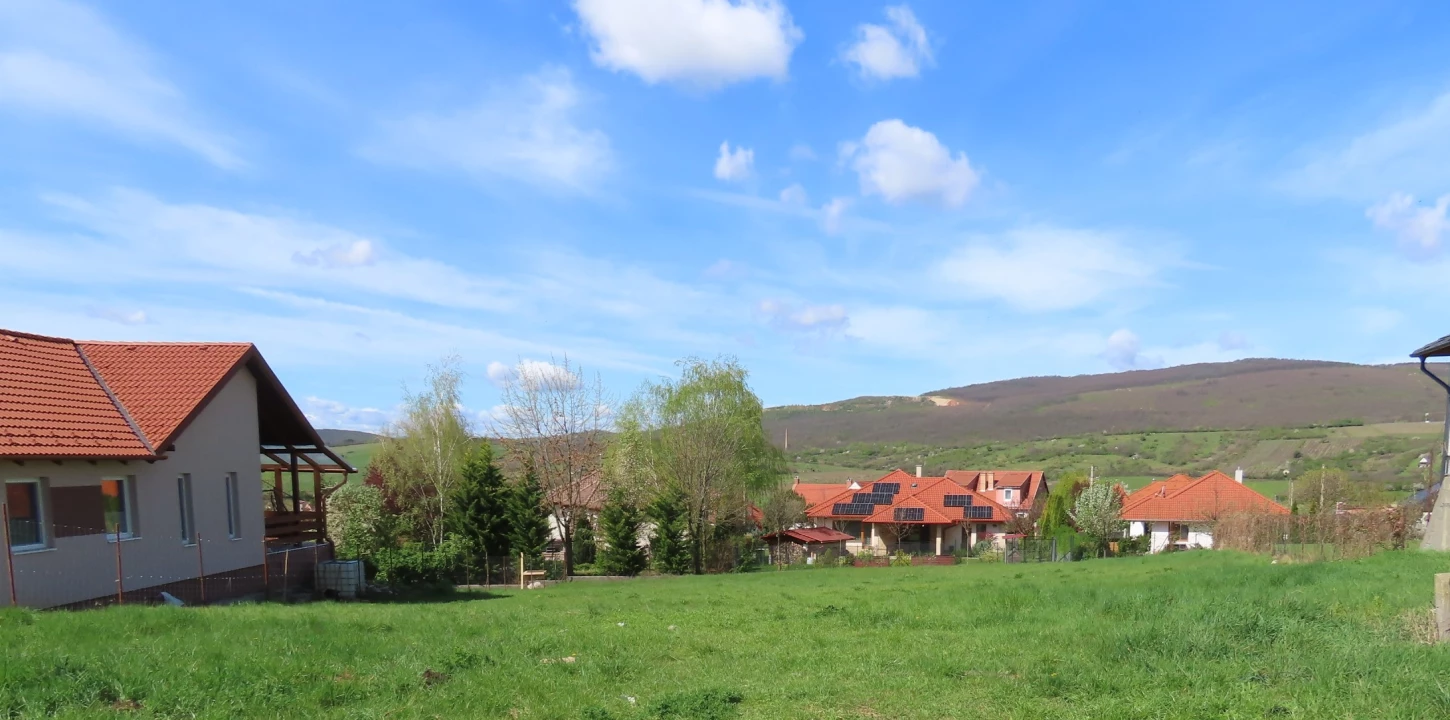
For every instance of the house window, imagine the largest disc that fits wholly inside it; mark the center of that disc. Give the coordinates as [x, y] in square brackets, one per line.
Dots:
[850, 527]
[234, 517]
[188, 516]
[117, 502]
[25, 502]
[1178, 532]
[1007, 495]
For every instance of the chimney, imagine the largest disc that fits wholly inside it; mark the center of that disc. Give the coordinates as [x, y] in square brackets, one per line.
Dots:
[918, 471]
[1239, 476]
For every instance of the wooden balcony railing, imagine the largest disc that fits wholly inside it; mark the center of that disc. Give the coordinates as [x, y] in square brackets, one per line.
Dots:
[293, 528]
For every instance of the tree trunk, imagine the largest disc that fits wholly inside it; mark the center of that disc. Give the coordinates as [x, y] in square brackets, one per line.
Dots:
[567, 530]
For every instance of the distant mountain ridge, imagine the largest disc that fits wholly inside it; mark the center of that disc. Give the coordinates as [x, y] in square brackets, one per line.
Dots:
[1245, 394]
[343, 438]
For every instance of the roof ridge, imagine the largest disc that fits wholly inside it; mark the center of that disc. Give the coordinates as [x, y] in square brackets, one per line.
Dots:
[121, 408]
[223, 343]
[34, 336]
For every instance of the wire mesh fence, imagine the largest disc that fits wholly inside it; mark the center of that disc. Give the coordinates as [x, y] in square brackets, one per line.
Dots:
[67, 565]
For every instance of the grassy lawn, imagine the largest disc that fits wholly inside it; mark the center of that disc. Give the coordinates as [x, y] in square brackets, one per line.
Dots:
[1192, 635]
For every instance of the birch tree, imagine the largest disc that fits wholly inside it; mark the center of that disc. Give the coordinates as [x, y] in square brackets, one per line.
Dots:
[555, 422]
[422, 453]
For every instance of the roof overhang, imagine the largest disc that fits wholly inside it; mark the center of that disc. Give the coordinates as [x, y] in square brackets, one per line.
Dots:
[1439, 348]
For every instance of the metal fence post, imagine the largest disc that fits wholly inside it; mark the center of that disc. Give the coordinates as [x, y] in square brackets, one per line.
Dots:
[9, 556]
[266, 573]
[200, 570]
[120, 581]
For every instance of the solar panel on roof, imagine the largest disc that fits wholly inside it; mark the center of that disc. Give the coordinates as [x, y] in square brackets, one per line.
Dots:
[886, 487]
[957, 500]
[909, 514]
[875, 498]
[977, 512]
[852, 509]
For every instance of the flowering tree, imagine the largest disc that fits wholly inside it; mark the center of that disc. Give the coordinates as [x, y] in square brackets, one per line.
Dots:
[1098, 513]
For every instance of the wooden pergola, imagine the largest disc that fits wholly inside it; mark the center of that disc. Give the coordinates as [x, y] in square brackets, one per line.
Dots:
[298, 522]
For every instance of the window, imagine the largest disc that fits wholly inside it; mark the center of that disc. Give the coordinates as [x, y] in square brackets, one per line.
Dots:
[234, 510]
[117, 502]
[25, 501]
[188, 517]
[1007, 494]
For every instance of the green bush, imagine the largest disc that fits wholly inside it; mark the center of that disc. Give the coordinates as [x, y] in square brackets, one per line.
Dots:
[827, 558]
[416, 565]
[356, 521]
[982, 547]
[1133, 546]
[900, 559]
[990, 556]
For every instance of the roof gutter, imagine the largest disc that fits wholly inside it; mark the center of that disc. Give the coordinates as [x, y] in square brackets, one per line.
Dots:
[1445, 446]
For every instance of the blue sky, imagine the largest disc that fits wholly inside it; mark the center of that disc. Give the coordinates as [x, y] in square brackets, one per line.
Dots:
[852, 198]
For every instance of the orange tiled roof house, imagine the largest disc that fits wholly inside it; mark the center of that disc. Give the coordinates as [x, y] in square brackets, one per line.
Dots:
[923, 515]
[152, 449]
[1179, 512]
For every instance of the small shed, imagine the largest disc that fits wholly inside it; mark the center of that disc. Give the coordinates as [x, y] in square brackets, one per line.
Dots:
[809, 542]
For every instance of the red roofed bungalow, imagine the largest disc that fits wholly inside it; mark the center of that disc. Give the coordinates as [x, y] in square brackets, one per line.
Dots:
[911, 513]
[1180, 511]
[808, 541]
[131, 459]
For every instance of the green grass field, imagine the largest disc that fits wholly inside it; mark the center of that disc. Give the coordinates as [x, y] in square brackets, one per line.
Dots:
[1190, 635]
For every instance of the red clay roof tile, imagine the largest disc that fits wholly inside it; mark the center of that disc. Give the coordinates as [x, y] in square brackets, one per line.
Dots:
[52, 406]
[162, 384]
[1184, 499]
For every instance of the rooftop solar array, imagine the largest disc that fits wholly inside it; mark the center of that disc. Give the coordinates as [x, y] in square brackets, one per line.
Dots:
[977, 512]
[875, 498]
[909, 514]
[885, 487]
[852, 509]
[957, 500]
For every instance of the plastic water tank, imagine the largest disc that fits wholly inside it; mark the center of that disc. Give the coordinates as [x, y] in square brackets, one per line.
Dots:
[344, 578]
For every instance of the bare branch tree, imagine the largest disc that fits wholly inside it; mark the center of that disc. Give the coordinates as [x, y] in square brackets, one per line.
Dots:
[554, 422]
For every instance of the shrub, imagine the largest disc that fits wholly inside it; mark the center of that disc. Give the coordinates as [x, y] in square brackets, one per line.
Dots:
[416, 565]
[991, 556]
[981, 548]
[1133, 546]
[900, 559]
[356, 521]
[827, 558]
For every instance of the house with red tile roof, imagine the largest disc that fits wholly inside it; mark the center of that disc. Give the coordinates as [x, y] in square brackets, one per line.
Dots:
[1180, 511]
[806, 542]
[912, 513]
[143, 460]
[1009, 488]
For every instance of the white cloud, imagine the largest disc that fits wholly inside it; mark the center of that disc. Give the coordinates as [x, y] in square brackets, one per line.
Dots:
[63, 59]
[134, 237]
[325, 413]
[1406, 154]
[1124, 352]
[885, 52]
[793, 195]
[1047, 268]
[117, 315]
[737, 164]
[1230, 340]
[533, 373]
[1417, 227]
[900, 162]
[706, 43]
[807, 319]
[530, 132]
[802, 152]
[342, 255]
[1375, 320]
[831, 214]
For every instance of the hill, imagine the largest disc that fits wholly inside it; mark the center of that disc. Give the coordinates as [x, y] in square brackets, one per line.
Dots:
[1247, 394]
[342, 438]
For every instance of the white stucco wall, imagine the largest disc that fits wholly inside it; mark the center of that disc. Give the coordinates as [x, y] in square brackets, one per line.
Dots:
[222, 439]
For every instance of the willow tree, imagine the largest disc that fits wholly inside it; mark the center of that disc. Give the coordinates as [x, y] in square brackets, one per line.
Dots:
[700, 436]
[422, 453]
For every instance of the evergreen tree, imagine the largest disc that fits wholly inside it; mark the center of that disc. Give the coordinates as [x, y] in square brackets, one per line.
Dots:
[479, 510]
[620, 521]
[669, 552]
[528, 521]
[584, 547]
[1060, 501]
